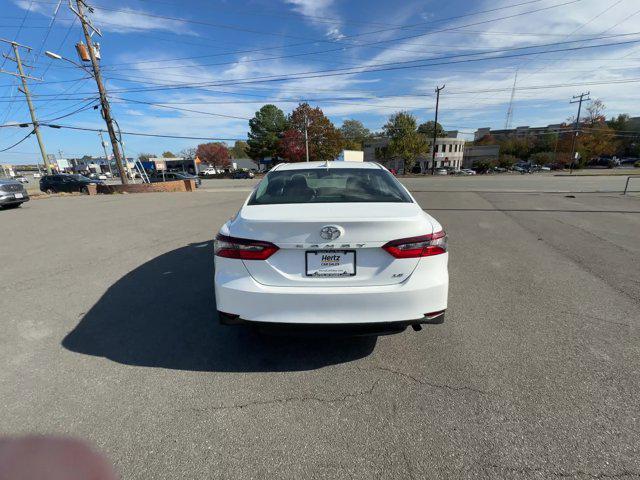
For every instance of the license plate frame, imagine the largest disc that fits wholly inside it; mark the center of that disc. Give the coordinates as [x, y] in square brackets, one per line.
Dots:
[308, 253]
[18, 195]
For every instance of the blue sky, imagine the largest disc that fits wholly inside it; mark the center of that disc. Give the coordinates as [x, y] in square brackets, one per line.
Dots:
[213, 57]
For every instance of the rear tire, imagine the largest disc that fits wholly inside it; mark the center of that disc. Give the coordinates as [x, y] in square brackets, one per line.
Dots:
[84, 191]
[49, 191]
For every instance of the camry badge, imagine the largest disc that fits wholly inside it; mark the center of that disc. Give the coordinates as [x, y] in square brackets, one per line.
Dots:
[330, 232]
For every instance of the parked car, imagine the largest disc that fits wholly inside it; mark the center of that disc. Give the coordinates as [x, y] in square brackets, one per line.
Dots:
[374, 261]
[441, 171]
[172, 176]
[545, 168]
[603, 162]
[12, 193]
[21, 179]
[521, 168]
[36, 175]
[208, 172]
[64, 182]
[628, 161]
[556, 166]
[242, 174]
[468, 171]
[97, 176]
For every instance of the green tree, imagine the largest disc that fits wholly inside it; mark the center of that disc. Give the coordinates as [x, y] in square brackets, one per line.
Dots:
[144, 157]
[506, 161]
[542, 158]
[597, 141]
[168, 154]
[427, 130]
[240, 149]
[265, 130]
[518, 147]
[629, 138]
[404, 140]
[546, 142]
[354, 134]
[325, 140]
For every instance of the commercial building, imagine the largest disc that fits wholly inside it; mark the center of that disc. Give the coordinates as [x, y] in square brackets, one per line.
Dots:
[477, 153]
[518, 132]
[244, 164]
[449, 153]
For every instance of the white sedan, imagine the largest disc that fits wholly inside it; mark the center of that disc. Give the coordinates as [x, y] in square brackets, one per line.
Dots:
[328, 244]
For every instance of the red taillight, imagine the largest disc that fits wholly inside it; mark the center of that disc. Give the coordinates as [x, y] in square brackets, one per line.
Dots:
[243, 248]
[422, 246]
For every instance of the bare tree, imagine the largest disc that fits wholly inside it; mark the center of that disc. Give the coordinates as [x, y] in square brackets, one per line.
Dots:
[595, 112]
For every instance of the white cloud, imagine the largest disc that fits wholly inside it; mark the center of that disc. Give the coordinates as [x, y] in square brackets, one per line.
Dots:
[317, 11]
[134, 20]
[127, 20]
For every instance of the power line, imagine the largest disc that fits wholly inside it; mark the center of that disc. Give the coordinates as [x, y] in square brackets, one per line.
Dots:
[181, 109]
[348, 21]
[89, 106]
[18, 142]
[342, 42]
[373, 68]
[141, 134]
[278, 57]
[376, 44]
[390, 66]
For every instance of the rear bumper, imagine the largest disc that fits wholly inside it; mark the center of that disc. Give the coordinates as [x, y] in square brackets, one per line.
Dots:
[10, 198]
[243, 300]
[356, 329]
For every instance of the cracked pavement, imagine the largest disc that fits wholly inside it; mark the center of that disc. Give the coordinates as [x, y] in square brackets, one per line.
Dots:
[109, 335]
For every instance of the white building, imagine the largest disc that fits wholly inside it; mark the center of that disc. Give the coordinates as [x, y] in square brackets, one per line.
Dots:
[449, 153]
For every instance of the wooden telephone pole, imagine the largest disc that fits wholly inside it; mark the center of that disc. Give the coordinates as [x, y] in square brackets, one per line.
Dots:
[106, 110]
[435, 132]
[25, 89]
[576, 99]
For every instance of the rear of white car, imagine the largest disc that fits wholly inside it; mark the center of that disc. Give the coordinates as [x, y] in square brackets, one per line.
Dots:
[331, 244]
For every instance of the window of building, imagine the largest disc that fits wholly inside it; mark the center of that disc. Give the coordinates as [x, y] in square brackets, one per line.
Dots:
[450, 147]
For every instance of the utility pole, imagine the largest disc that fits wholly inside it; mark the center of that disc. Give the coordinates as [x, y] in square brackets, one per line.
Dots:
[576, 99]
[306, 136]
[106, 111]
[435, 132]
[106, 155]
[27, 94]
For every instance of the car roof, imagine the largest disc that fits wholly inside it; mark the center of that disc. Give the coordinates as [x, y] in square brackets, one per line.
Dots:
[333, 164]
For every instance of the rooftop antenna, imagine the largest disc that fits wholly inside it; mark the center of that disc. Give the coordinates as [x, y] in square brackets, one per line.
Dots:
[507, 124]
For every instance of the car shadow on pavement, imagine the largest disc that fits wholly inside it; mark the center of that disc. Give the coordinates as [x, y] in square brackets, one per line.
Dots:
[163, 314]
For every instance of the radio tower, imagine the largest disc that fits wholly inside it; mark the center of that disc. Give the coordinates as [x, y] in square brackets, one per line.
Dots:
[507, 124]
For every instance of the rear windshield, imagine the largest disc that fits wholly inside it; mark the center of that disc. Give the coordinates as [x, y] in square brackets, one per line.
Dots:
[326, 185]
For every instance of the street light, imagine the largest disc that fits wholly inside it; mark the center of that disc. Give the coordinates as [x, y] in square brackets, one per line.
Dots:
[56, 56]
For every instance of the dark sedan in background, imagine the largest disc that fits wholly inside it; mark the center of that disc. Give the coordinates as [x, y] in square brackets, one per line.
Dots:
[172, 176]
[64, 182]
[12, 193]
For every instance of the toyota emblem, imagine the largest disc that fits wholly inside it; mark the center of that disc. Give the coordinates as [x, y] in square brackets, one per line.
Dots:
[330, 232]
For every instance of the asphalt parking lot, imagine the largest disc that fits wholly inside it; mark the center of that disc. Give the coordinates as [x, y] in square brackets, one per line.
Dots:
[109, 334]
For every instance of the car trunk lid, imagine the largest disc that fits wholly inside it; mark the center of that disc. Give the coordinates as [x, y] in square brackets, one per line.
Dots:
[363, 227]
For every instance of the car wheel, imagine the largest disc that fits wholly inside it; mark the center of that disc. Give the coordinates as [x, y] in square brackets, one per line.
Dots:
[84, 190]
[49, 191]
